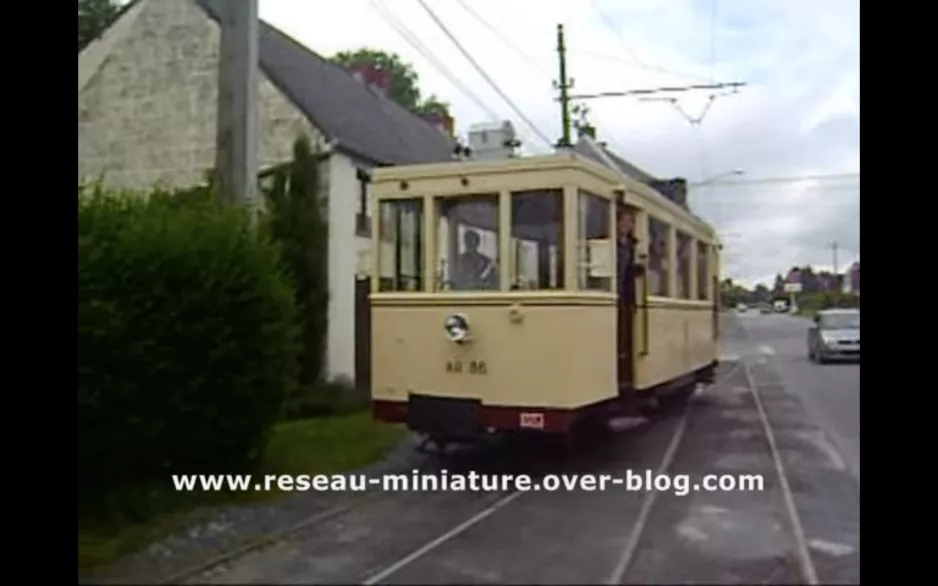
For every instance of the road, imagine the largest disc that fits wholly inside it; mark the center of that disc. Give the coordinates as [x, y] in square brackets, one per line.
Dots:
[770, 411]
[829, 392]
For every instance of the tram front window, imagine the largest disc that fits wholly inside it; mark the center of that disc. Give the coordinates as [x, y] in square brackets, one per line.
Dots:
[536, 239]
[467, 245]
[401, 250]
[595, 243]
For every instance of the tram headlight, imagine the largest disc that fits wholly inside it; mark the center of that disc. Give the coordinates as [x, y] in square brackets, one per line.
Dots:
[457, 328]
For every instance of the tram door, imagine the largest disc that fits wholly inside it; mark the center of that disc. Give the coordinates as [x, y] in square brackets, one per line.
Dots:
[625, 335]
[627, 305]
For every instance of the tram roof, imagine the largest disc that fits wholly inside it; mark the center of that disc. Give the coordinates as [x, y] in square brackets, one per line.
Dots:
[561, 159]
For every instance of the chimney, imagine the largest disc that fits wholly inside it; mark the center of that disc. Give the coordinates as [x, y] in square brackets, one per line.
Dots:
[444, 123]
[370, 74]
[674, 189]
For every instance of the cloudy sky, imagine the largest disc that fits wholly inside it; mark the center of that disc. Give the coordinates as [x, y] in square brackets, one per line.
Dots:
[798, 116]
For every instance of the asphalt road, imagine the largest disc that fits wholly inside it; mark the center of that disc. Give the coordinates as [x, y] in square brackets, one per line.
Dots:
[830, 393]
[616, 536]
[623, 536]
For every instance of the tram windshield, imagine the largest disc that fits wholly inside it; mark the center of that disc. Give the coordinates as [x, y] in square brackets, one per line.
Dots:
[467, 244]
[466, 250]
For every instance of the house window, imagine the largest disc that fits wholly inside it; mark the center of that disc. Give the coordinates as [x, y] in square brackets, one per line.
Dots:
[363, 209]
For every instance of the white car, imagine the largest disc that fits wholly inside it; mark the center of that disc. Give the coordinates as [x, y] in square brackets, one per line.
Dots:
[835, 335]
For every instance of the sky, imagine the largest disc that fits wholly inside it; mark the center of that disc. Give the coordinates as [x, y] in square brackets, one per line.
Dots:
[798, 116]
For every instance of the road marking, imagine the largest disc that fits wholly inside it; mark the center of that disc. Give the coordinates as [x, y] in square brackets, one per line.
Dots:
[376, 578]
[692, 533]
[821, 442]
[804, 557]
[634, 537]
[729, 357]
[767, 350]
[831, 548]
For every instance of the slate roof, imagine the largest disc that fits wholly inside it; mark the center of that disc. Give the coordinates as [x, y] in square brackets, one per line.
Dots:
[359, 119]
[589, 148]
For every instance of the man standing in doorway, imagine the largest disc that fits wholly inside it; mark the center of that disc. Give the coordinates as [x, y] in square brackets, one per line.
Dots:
[625, 247]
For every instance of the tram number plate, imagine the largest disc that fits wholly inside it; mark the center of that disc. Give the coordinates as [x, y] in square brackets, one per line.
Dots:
[532, 420]
[470, 367]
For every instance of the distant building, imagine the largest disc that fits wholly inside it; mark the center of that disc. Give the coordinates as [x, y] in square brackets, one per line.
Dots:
[852, 279]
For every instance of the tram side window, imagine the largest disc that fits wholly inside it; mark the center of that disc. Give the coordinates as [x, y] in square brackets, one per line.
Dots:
[658, 257]
[467, 244]
[537, 239]
[400, 252]
[703, 270]
[684, 249]
[595, 244]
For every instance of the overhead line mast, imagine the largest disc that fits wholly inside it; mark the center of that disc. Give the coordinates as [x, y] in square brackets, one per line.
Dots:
[563, 85]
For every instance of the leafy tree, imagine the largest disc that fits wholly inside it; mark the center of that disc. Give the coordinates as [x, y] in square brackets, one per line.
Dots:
[779, 287]
[94, 17]
[403, 82]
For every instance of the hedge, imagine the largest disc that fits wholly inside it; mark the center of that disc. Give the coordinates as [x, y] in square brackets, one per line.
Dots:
[187, 338]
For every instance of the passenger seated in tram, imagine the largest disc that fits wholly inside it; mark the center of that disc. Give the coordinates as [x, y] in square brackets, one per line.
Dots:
[474, 270]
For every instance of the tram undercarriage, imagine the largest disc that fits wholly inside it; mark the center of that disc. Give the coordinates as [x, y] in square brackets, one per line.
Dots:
[444, 421]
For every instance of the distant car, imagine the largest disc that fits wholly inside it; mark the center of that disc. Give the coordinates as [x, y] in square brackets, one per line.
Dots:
[741, 308]
[835, 335]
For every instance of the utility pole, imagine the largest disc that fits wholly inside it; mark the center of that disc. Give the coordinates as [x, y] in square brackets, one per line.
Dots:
[838, 284]
[563, 85]
[236, 139]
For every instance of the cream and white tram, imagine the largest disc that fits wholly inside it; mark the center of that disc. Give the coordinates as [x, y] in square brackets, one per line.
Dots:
[496, 302]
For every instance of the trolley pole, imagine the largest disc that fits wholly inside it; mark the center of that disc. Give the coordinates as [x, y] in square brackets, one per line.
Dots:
[564, 85]
[236, 139]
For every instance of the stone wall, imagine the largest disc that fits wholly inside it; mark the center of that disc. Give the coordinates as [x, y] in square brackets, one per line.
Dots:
[148, 114]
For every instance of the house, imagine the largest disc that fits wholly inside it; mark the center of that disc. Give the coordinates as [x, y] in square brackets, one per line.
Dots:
[147, 91]
[674, 189]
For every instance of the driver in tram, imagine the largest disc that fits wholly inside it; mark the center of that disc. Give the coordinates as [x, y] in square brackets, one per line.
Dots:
[474, 270]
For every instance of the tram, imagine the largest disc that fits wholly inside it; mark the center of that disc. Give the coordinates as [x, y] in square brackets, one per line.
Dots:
[497, 302]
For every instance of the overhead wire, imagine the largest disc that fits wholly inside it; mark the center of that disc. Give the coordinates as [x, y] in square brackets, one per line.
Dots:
[638, 62]
[427, 54]
[793, 179]
[713, 41]
[537, 131]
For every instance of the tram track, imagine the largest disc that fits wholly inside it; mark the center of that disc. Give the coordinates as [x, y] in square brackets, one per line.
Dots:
[388, 571]
[493, 510]
[806, 568]
[206, 566]
[373, 496]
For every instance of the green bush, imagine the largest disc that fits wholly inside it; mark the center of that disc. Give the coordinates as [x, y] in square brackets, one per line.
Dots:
[296, 219]
[187, 338]
[817, 301]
